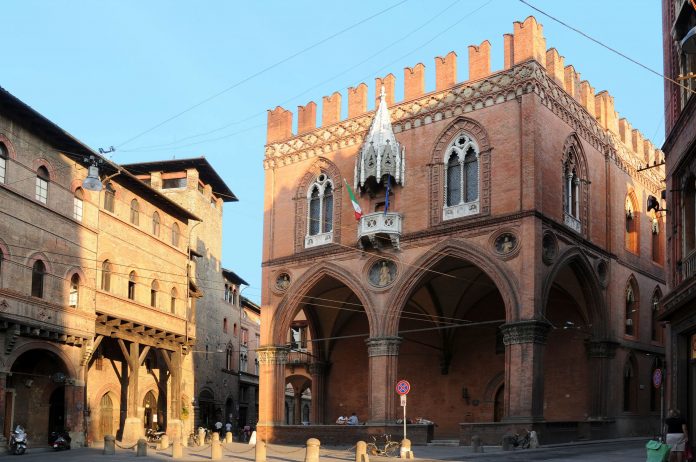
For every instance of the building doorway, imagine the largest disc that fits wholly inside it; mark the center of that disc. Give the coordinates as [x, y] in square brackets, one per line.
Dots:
[56, 410]
[150, 419]
[499, 404]
[106, 416]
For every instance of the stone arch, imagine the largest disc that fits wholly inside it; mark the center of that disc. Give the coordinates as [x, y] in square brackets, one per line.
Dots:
[287, 309]
[504, 281]
[43, 162]
[321, 164]
[48, 346]
[437, 166]
[632, 231]
[9, 145]
[492, 387]
[632, 301]
[592, 288]
[33, 257]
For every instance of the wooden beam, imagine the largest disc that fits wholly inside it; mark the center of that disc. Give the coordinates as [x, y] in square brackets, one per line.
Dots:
[114, 322]
[166, 358]
[126, 354]
[143, 354]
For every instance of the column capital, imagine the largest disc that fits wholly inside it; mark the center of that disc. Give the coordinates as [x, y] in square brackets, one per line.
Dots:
[383, 346]
[318, 367]
[272, 354]
[601, 348]
[528, 331]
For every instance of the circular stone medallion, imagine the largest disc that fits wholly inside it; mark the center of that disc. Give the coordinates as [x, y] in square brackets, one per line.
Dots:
[282, 282]
[382, 273]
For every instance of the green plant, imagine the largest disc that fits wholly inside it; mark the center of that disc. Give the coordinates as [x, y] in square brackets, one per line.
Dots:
[184, 413]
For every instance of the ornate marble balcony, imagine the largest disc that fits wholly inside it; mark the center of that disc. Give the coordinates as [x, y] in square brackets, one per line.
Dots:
[379, 228]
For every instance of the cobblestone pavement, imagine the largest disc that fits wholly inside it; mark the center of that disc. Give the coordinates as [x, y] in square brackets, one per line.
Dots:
[621, 451]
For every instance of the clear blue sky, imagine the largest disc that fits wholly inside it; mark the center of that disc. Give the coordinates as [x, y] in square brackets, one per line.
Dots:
[107, 70]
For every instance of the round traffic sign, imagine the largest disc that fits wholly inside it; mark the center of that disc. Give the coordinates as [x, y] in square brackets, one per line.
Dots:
[403, 387]
[657, 378]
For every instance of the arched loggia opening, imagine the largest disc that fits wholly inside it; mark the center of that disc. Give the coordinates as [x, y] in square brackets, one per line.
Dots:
[38, 380]
[451, 350]
[576, 350]
[332, 353]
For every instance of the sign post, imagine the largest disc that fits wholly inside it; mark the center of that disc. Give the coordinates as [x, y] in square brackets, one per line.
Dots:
[402, 388]
[657, 383]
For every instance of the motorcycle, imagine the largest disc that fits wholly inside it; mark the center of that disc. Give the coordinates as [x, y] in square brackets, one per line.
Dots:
[153, 436]
[59, 440]
[18, 441]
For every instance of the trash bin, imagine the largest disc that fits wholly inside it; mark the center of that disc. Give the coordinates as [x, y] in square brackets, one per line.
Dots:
[657, 451]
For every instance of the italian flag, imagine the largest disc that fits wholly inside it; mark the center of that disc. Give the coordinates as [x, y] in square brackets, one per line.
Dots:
[356, 206]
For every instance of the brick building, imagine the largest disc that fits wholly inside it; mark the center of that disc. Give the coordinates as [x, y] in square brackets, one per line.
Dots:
[96, 320]
[679, 307]
[504, 262]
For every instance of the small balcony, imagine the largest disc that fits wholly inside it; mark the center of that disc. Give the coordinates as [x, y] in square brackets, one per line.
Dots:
[379, 229]
[572, 222]
[689, 265]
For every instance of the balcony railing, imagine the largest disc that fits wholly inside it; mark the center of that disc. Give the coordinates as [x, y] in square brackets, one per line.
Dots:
[689, 265]
[318, 239]
[377, 228]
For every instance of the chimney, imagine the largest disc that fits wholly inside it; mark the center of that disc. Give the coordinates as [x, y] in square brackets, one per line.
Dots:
[357, 100]
[279, 125]
[306, 117]
[331, 109]
[445, 71]
[414, 81]
[480, 60]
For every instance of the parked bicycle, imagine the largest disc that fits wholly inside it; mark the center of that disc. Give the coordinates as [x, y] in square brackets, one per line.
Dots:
[389, 448]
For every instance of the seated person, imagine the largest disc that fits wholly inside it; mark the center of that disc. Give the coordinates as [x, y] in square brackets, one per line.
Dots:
[353, 419]
[342, 420]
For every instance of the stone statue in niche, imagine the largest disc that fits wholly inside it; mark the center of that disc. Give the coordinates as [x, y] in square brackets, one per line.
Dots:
[549, 250]
[283, 281]
[382, 273]
[505, 243]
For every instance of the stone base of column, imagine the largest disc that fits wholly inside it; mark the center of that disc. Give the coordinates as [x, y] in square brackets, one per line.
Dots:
[175, 429]
[132, 430]
[77, 439]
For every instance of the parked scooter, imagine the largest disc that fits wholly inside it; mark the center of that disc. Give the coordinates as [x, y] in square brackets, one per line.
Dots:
[18, 441]
[59, 440]
[153, 436]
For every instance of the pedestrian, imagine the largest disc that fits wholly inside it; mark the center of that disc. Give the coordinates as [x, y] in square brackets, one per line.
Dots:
[228, 427]
[675, 428]
[218, 427]
[353, 419]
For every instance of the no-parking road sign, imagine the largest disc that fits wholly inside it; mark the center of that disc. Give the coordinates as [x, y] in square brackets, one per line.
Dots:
[403, 387]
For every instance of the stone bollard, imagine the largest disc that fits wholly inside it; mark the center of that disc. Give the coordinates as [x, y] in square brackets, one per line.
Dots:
[141, 451]
[406, 452]
[177, 449]
[260, 451]
[228, 437]
[201, 436]
[164, 442]
[216, 447]
[533, 440]
[476, 445]
[109, 445]
[508, 442]
[361, 452]
[312, 452]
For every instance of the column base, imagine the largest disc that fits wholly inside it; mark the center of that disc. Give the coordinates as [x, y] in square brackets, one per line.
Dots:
[175, 429]
[77, 439]
[132, 430]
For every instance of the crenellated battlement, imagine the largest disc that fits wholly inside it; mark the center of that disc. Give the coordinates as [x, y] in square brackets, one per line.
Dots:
[526, 43]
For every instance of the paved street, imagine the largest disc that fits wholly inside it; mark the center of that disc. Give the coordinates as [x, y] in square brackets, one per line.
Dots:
[623, 451]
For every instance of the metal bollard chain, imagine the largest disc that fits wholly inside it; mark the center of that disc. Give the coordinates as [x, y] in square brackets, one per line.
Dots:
[126, 447]
[268, 446]
[228, 449]
[203, 448]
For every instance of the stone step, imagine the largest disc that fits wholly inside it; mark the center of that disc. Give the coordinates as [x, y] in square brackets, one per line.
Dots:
[444, 443]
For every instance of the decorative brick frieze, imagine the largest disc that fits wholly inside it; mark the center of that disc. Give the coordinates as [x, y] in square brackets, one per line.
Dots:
[532, 331]
[384, 346]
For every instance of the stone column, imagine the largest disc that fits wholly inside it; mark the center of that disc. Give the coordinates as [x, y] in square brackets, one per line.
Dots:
[383, 355]
[600, 353]
[174, 423]
[297, 404]
[272, 360]
[525, 342]
[3, 391]
[318, 372]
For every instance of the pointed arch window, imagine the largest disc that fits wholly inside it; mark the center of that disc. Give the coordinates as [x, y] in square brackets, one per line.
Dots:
[632, 310]
[461, 177]
[156, 224]
[106, 276]
[656, 328]
[4, 156]
[153, 293]
[320, 212]
[574, 180]
[632, 224]
[38, 274]
[74, 296]
[175, 235]
[135, 212]
[42, 179]
[78, 204]
[109, 197]
[131, 285]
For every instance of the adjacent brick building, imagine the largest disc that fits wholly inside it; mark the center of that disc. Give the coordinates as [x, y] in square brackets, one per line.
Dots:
[679, 307]
[511, 272]
[96, 321]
